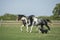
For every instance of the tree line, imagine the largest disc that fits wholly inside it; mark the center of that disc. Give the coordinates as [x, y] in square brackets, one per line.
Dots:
[55, 16]
[8, 16]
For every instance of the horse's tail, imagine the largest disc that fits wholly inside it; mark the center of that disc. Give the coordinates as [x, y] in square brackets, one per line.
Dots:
[48, 20]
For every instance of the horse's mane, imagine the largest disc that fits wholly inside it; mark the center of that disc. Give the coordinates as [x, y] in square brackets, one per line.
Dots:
[21, 15]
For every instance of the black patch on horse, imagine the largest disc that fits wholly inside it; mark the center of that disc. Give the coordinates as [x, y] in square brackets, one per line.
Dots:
[31, 19]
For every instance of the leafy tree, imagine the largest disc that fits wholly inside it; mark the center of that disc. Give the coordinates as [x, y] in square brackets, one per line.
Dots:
[56, 12]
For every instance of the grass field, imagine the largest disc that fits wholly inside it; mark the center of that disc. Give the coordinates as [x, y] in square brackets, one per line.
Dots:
[12, 32]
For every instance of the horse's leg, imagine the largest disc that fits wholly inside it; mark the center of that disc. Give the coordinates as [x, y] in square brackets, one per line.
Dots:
[41, 26]
[31, 26]
[47, 26]
[38, 28]
[27, 28]
[31, 29]
[21, 27]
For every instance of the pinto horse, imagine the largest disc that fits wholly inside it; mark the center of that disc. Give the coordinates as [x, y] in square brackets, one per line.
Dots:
[33, 21]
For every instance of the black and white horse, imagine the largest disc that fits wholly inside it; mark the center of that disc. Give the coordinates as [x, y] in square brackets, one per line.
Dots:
[33, 21]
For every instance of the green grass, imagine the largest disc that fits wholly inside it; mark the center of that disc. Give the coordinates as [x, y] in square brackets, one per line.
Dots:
[12, 32]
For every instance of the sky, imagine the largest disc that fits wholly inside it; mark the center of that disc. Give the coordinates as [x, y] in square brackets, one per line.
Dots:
[28, 7]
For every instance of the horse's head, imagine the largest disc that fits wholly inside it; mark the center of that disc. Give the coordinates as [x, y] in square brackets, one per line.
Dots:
[20, 17]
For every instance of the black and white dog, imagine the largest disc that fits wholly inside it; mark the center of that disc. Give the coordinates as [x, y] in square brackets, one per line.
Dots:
[33, 21]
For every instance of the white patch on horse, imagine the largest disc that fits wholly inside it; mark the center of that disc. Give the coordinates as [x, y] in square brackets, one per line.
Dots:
[35, 20]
